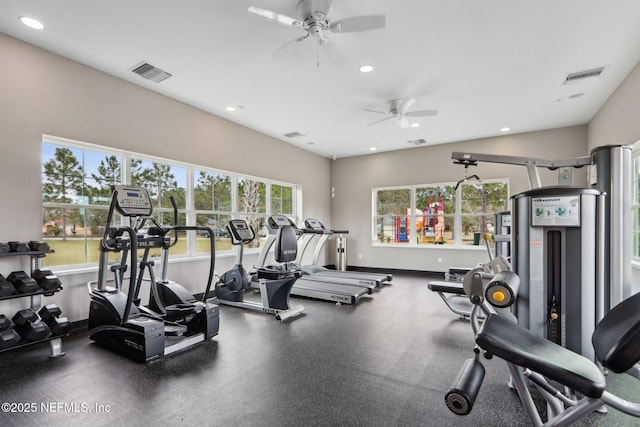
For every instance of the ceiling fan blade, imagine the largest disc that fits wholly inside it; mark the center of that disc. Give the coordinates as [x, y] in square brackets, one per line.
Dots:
[282, 49]
[403, 105]
[421, 113]
[375, 111]
[275, 16]
[402, 122]
[381, 120]
[358, 23]
[331, 50]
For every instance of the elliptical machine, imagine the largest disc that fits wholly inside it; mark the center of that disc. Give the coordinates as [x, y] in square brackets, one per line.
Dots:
[275, 281]
[174, 319]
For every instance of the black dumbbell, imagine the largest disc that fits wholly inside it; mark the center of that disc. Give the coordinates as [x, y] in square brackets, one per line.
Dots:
[50, 314]
[6, 287]
[5, 323]
[23, 283]
[47, 280]
[4, 248]
[8, 336]
[29, 325]
[39, 246]
[18, 247]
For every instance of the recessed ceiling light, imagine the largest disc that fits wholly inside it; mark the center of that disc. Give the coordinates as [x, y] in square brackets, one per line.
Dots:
[231, 109]
[415, 125]
[366, 68]
[372, 149]
[32, 23]
[505, 129]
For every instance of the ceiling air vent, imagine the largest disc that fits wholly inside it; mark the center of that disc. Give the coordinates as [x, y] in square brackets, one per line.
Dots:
[582, 76]
[295, 134]
[417, 141]
[150, 72]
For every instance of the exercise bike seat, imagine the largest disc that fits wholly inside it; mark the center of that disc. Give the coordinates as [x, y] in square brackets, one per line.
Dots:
[513, 343]
[285, 251]
[274, 272]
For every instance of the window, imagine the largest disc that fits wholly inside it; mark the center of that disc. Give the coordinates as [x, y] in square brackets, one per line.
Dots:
[281, 199]
[252, 203]
[479, 204]
[76, 194]
[212, 195]
[437, 214]
[392, 215]
[163, 181]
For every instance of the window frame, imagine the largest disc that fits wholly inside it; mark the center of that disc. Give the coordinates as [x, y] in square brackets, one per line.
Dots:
[189, 212]
[457, 215]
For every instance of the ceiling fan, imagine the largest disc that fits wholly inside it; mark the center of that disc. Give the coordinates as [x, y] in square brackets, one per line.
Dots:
[314, 19]
[398, 109]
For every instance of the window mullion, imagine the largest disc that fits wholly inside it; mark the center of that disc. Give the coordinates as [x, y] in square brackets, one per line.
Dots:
[190, 214]
[413, 240]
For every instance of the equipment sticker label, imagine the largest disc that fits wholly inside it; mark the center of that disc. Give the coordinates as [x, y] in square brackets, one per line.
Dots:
[564, 211]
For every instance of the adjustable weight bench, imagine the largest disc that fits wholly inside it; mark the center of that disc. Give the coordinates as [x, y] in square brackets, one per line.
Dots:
[616, 341]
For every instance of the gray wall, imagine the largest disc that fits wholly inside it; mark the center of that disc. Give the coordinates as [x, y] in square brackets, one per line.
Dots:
[42, 93]
[355, 177]
[617, 121]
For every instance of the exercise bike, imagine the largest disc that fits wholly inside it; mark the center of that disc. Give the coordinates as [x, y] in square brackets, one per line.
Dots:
[533, 359]
[275, 281]
[173, 319]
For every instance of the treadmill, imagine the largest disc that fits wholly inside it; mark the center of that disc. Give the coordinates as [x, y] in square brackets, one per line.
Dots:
[323, 290]
[313, 228]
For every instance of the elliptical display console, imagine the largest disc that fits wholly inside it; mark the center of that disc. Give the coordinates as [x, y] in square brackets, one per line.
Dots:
[173, 319]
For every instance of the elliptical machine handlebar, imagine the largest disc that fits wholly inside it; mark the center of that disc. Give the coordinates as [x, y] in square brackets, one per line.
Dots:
[133, 254]
[212, 251]
[112, 232]
[175, 226]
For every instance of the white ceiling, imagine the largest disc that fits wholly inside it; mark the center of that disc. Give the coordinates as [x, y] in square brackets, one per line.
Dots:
[484, 64]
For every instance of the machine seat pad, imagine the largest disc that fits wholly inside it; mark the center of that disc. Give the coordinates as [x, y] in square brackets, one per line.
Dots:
[274, 272]
[446, 287]
[519, 346]
[617, 336]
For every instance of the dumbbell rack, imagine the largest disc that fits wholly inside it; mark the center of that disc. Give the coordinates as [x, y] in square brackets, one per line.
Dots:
[55, 341]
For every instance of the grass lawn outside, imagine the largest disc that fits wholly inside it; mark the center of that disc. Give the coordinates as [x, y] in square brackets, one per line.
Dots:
[72, 250]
